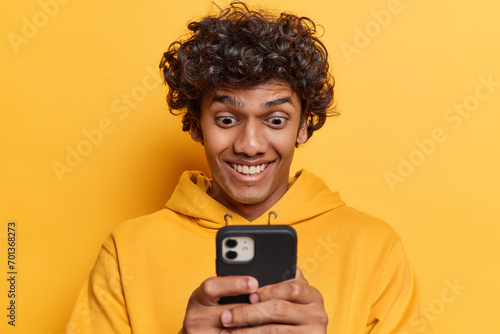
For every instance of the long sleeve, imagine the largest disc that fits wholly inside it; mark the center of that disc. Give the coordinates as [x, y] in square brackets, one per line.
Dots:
[101, 306]
[396, 307]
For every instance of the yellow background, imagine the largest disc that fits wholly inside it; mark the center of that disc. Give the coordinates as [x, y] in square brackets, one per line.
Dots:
[72, 71]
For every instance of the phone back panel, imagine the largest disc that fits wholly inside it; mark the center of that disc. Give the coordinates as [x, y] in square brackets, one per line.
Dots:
[275, 255]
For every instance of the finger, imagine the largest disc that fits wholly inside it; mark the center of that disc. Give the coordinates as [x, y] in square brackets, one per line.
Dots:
[271, 329]
[269, 312]
[212, 289]
[299, 274]
[296, 291]
[255, 298]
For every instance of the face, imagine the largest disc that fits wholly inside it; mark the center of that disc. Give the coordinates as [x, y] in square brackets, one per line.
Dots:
[249, 137]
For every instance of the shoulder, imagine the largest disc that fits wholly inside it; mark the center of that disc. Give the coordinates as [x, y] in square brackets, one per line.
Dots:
[361, 222]
[358, 230]
[143, 222]
[139, 231]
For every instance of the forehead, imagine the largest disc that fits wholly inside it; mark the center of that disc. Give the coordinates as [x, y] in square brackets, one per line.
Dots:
[264, 96]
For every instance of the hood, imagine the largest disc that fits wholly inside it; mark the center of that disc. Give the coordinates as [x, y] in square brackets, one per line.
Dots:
[307, 196]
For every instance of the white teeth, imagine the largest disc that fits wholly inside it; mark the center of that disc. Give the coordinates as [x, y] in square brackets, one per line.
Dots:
[249, 170]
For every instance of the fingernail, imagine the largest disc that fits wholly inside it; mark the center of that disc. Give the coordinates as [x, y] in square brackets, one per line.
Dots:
[253, 285]
[226, 318]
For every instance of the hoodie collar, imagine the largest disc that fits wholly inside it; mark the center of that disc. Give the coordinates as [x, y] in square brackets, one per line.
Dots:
[307, 196]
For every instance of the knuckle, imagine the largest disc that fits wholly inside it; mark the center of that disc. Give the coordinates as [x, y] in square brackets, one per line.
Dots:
[319, 317]
[279, 308]
[191, 321]
[244, 314]
[207, 286]
[256, 317]
[206, 291]
[295, 289]
[323, 319]
[239, 312]
[252, 316]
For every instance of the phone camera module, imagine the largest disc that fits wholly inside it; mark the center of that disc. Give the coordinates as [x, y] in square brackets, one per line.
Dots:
[238, 248]
[231, 255]
[231, 243]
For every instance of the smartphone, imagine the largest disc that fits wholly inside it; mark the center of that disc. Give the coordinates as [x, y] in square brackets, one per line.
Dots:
[266, 252]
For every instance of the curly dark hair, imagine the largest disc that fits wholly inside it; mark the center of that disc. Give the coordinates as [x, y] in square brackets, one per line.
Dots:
[241, 48]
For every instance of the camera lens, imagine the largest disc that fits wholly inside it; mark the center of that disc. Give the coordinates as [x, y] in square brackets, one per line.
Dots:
[231, 243]
[231, 255]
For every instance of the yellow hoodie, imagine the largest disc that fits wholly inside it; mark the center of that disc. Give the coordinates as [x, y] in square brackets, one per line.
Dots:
[148, 267]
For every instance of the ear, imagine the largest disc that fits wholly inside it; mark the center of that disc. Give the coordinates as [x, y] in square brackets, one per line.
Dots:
[195, 132]
[302, 134]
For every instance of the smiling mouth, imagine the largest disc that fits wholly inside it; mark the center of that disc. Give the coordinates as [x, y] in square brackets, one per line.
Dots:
[248, 170]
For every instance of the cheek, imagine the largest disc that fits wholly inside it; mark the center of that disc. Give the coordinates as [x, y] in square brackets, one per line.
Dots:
[211, 151]
[216, 143]
[284, 144]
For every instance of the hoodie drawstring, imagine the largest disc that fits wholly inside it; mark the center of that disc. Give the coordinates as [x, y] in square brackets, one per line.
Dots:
[269, 216]
[227, 215]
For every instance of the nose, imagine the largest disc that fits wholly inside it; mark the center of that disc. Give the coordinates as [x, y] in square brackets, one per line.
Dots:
[251, 140]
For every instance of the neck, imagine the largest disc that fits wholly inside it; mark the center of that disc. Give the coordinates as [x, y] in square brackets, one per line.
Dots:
[248, 211]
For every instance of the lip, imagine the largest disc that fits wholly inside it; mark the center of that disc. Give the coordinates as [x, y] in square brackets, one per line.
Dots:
[248, 163]
[249, 178]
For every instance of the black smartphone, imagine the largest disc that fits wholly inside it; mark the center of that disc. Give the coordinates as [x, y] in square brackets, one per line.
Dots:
[266, 252]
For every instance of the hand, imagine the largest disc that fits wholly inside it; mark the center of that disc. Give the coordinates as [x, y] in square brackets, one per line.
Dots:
[291, 306]
[203, 312]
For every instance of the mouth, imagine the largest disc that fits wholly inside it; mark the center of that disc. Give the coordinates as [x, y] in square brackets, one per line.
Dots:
[248, 170]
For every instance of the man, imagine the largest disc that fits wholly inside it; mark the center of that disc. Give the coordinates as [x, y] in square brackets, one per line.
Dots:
[251, 87]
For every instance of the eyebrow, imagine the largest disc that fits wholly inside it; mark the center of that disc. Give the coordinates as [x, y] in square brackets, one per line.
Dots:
[235, 102]
[241, 104]
[276, 102]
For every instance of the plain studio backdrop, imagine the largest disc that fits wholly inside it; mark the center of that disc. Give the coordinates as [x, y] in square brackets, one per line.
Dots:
[87, 140]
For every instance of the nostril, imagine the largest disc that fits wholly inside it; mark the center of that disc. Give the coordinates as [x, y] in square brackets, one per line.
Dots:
[250, 145]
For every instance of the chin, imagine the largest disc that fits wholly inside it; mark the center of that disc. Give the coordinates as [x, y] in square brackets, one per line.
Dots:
[248, 198]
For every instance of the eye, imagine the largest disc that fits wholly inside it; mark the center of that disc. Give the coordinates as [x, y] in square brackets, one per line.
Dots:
[277, 122]
[225, 121]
